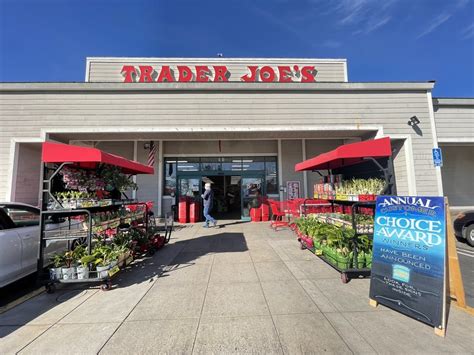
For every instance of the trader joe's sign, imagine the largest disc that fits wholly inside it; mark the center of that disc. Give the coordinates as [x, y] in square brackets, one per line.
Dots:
[217, 73]
[408, 267]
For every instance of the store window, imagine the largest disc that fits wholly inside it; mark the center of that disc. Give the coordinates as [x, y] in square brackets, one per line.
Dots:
[211, 164]
[178, 167]
[232, 164]
[253, 164]
[170, 176]
[188, 164]
[271, 177]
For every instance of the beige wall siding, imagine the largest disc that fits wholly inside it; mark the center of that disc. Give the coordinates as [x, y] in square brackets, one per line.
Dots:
[109, 69]
[314, 147]
[291, 154]
[400, 167]
[27, 178]
[458, 172]
[122, 148]
[26, 114]
[148, 184]
[454, 119]
[227, 147]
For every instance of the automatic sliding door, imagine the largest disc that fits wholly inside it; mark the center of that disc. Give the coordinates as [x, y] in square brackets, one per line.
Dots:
[251, 194]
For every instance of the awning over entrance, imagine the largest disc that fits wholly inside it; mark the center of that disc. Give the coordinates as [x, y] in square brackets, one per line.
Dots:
[89, 158]
[348, 154]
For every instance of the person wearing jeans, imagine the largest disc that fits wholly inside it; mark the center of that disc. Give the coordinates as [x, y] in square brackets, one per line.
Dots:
[208, 197]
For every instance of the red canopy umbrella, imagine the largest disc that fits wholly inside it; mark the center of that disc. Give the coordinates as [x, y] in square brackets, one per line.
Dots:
[348, 154]
[89, 158]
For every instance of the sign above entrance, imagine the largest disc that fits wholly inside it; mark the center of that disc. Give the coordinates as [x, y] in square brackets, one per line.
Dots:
[218, 73]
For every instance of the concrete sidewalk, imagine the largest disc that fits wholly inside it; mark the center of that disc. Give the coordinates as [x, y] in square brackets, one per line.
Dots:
[241, 288]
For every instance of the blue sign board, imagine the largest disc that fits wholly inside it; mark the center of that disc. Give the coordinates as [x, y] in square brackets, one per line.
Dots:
[437, 157]
[408, 267]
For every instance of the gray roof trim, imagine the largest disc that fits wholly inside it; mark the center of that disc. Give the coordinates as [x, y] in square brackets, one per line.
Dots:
[232, 86]
[441, 101]
[212, 60]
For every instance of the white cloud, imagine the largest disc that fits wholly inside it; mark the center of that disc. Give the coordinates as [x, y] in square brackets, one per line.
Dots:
[373, 25]
[438, 21]
[468, 32]
[367, 15]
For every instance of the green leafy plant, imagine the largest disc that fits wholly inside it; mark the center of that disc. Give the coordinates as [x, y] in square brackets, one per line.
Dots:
[58, 260]
[102, 255]
[114, 178]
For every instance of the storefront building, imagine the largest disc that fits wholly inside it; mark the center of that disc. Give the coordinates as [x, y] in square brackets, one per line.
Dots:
[241, 124]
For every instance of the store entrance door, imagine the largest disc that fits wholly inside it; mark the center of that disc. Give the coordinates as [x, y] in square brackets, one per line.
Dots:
[251, 194]
[226, 188]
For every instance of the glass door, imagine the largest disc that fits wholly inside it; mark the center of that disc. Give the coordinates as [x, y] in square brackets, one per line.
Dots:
[251, 194]
[189, 186]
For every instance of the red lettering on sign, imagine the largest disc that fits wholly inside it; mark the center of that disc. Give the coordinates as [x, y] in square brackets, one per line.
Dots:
[202, 73]
[267, 74]
[128, 71]
[145, 73]
[220, 73]
[307, 74]
[284, 73]
[165, 74]
[185, 74]
[253, 74]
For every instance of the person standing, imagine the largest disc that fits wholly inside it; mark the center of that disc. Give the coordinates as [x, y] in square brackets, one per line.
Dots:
[208, 197]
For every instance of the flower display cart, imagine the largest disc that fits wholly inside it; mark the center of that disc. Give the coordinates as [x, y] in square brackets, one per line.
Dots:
[84, 194]
[368, 169]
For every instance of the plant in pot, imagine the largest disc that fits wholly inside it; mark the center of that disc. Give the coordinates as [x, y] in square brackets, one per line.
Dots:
[102, 260]
[80, 254]
[55, 272]
[69, 271]
[84, 268]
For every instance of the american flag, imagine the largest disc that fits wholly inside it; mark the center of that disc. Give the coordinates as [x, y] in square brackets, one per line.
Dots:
[151, 155]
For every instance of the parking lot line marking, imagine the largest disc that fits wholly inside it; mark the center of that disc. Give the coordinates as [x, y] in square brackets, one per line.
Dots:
[466, 254]
[466, 251]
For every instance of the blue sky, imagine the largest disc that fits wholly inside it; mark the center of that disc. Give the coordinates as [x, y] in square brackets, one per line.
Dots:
[383, 40]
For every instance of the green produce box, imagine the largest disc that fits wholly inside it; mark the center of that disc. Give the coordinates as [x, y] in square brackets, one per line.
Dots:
[343, 262]
[368, 260]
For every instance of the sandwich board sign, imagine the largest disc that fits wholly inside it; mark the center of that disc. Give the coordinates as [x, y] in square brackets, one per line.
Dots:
[409, 257]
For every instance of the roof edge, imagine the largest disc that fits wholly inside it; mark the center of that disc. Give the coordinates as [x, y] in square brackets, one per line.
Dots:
[230, 86]
[217, 59]
[453, 101]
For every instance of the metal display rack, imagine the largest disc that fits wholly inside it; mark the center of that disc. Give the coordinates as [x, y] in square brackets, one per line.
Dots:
[347, 158]
[55, 157]
[350, 273]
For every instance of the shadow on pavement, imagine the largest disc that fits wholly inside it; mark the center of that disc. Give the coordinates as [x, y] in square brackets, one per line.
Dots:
[49, 308]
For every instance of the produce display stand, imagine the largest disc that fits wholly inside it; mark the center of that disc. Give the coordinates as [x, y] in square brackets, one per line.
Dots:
[350, 273]
[54, 158]
[347, 158]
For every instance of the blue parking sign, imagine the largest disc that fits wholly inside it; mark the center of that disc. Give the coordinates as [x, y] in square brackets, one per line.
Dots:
[437, 157]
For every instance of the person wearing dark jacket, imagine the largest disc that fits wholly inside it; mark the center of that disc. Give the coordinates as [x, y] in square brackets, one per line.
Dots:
[208, 197]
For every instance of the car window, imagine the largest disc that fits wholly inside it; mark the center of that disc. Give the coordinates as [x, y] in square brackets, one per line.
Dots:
[22, 216]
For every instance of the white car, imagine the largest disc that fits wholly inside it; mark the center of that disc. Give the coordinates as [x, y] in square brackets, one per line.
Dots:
[19, 241]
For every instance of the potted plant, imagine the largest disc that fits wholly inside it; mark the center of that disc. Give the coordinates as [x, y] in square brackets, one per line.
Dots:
[80, 255]
[55, 272]
[69, 271]
[102, 260]
[83, 268]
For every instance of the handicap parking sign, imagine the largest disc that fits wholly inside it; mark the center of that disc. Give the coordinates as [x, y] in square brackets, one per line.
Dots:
[437, 157]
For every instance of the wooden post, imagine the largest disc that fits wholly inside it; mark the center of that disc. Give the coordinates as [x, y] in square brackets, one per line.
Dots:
[373, 303]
